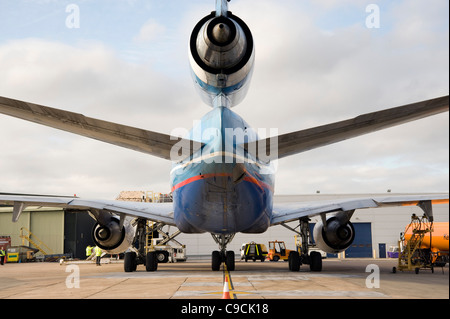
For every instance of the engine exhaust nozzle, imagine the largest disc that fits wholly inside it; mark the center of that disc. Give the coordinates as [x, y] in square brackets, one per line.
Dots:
[221, 33]
[222, 56]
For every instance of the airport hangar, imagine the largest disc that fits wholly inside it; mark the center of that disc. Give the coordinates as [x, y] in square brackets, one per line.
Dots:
[66, 232]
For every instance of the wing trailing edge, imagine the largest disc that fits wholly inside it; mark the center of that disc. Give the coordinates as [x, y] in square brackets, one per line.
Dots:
[287, 212]
[141, 140]
[158, 212]
[308, 139]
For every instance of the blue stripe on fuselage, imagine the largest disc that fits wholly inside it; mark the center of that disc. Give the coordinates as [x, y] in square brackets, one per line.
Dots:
[235, 93]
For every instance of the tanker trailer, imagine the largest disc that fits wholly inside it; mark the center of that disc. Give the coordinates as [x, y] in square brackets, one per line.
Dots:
[423, 245]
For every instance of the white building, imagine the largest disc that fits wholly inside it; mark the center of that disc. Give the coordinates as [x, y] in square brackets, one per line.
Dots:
[375, 228]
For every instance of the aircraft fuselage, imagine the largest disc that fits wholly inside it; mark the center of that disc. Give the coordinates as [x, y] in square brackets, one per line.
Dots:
[222, 189]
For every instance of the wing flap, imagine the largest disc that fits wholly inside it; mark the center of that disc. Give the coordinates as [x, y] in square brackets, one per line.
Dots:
[158, 212]
[286, 212]
[141, 140]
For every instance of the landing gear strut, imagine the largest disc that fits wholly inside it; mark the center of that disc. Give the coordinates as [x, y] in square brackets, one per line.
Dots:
[140, 254]
[218, 257]
[137, 256]
[296, 259]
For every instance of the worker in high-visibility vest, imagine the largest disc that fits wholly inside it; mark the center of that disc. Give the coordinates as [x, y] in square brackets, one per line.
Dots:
[98, 254]
[88, 251]
[2, 256]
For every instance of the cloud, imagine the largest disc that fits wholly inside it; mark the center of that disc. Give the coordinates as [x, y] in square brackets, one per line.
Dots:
[150, 31]
[303, 77]
[91, 80]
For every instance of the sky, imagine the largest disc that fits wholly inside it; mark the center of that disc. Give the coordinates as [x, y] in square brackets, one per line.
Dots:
[316, 62]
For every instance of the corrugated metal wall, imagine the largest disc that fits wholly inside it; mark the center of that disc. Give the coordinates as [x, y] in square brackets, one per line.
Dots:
[46, 224]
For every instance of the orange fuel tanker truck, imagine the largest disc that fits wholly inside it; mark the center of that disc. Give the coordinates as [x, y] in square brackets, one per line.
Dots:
[436, 240]
[424, 244]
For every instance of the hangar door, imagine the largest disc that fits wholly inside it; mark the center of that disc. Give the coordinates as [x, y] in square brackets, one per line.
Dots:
[362, 245]
[77, 230]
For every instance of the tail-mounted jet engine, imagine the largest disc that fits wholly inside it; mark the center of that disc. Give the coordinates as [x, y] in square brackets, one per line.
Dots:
[337, 236]
[109, 237]
[222, 56]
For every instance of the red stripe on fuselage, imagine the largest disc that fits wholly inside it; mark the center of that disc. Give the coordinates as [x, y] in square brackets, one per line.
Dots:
[199, 177]
[248, 178]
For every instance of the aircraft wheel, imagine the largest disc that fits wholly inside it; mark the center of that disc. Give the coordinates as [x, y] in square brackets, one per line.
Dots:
[230, 260]
[216, 260]
[151, 261]
[316, 261]
[294, 261]
[129, 262]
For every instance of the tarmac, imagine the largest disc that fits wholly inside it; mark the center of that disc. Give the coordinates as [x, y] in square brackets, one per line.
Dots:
[194, 279]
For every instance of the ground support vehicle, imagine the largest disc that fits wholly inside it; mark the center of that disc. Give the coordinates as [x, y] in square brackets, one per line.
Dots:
[423, 245]
[253, 251]
[167, 253]
[278, 251]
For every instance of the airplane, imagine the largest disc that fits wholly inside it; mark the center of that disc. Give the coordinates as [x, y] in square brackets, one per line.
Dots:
[222, 177]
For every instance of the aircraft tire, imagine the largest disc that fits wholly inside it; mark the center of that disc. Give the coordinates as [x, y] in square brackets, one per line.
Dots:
[129, 262]
[151, 261]
[294, 261]
[230, 260]
[216, 260]
[315, 261]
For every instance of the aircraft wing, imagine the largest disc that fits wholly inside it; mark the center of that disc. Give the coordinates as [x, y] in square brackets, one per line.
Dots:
[158, 212]
[149, 142]
[286, 212]
[304, 140]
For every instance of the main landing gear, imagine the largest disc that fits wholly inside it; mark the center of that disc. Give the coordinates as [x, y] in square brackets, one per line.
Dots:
[296, 259]
[314, 260]
[222, 256]
[140, 253]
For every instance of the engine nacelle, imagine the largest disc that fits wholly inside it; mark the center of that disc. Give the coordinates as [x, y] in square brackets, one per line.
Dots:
[111, 238]
[337, 237]
[222, 56]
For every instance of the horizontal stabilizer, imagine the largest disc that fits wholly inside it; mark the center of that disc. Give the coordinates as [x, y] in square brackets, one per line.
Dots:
[304, 140]
[149, 142]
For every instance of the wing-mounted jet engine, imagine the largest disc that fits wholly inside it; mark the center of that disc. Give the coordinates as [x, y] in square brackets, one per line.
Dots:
[109, 235]
[335, 235]
[221, 57]
[332, 235]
